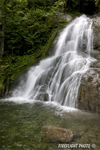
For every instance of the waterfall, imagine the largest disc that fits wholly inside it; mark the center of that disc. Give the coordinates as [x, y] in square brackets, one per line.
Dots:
[58, 77]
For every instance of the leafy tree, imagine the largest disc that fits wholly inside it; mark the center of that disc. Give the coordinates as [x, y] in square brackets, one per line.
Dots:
[27, 30]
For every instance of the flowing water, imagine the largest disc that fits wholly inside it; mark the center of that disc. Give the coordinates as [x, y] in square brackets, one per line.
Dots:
[48, 93]
[58, 77]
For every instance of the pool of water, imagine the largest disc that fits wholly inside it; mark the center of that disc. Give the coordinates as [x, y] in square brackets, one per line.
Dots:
[21, 124]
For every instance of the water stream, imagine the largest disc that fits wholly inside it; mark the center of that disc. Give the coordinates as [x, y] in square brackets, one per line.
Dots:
[58, 77]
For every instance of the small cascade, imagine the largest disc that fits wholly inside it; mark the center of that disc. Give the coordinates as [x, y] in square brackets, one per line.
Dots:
[58, 77]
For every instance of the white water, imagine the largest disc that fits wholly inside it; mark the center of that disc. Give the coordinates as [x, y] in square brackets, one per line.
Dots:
[58, 78]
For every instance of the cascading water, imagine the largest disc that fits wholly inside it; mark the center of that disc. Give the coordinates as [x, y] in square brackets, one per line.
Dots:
[58, 78]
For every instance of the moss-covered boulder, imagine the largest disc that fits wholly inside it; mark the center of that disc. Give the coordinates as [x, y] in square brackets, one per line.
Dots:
[55, 134]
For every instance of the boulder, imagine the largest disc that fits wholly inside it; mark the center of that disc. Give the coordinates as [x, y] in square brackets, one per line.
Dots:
[89, 95]
[55, 134]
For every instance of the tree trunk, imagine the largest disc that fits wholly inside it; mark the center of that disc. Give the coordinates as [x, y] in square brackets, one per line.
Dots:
[3, 28]
[2, 38]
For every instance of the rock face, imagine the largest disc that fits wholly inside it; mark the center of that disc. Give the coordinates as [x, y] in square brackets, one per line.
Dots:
[89, 94]
[96, 34]
[55, 134]
[89, 97]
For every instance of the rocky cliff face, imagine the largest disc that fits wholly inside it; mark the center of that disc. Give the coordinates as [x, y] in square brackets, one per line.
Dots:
[96, 43]
[89, 94]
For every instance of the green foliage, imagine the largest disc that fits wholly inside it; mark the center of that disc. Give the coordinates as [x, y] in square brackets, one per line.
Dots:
[97, 3]
[29, 25]
[27, 30]
[58, 5]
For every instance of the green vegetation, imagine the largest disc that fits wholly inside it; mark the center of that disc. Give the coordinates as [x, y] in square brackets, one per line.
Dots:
[27, 29]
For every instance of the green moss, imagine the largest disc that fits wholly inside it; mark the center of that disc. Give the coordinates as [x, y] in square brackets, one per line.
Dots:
[46, 48]
[53, 35]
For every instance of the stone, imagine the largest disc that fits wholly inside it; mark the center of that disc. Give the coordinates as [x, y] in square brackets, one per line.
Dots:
[96, 37]
[55, 134]
[42, 96]
[95, 64]
[89, 94]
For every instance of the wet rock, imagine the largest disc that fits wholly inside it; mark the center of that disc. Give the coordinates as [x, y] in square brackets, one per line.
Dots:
[62, 16]
[42, 96]
[89, 95]
[96, 35]
[55, 134]
[68, 17]
[95, 64]
[96, 20]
